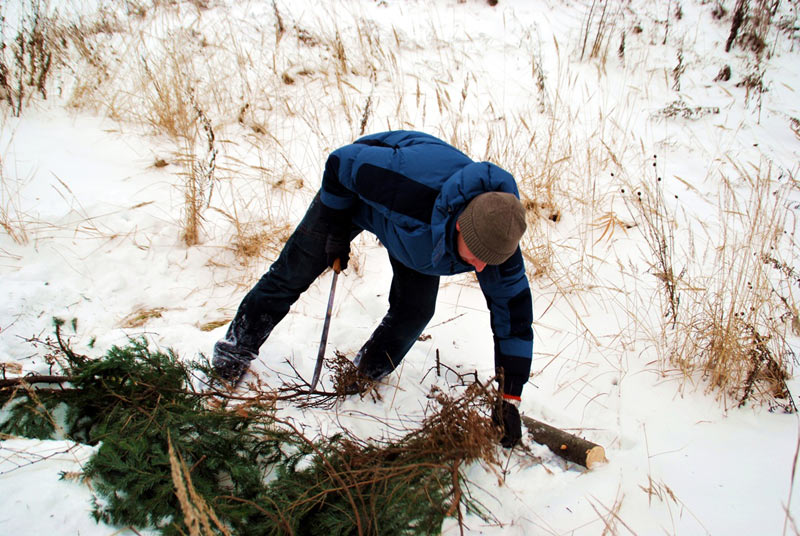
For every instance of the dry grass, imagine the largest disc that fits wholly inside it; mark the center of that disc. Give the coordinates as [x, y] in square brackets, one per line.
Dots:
[214, 324]
[255, 239]
[27, 59]
[12, 220]
[166, 91]
[140, 317]
[656, 222]
[723, 320]
[199, 517]
[13, 368]
[610, 515]
[250, 120]
[751, 25]
[596, 30]
[251, 116]
[726, 313]
[198, 175]
[177, 97]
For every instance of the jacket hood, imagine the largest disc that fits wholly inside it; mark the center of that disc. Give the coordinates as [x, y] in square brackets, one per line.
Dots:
[470, 181]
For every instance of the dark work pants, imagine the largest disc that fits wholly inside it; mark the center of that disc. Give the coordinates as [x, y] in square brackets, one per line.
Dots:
[412, 300]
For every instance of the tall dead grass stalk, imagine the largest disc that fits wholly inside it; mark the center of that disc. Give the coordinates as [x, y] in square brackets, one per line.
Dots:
[199, 175]
[598, 22]
[11, 219]
[166, 96]
[27, 58]
[656, 224]
[199, 518]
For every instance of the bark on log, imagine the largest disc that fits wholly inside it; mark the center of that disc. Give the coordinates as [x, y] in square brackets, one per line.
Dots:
[571, 448]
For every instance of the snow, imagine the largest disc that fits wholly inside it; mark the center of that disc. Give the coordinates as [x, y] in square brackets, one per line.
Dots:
[101, 231]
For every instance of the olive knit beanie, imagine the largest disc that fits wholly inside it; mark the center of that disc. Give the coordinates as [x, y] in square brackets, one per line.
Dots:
[492, 225]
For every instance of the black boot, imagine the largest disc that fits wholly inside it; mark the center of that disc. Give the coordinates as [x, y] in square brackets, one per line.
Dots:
[231, 362]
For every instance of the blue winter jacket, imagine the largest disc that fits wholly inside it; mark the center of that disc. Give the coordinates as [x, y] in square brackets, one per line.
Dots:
[408, 188]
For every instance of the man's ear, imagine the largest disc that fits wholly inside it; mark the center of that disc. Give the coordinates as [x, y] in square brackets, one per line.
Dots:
[458, 226]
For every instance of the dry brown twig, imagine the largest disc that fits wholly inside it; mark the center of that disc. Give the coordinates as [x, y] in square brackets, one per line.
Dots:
[454, 433]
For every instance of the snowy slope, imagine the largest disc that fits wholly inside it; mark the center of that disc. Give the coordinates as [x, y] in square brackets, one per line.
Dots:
[98, 228]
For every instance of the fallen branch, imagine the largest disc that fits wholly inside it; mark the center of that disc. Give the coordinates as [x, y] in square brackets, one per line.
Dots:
[257, 394]
[31, 379]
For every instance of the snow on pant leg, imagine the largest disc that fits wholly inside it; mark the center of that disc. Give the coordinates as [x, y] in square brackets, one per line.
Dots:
[412, 301]
[301, 261]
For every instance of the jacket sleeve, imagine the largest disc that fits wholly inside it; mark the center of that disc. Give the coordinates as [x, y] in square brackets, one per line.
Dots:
[334, 194]
[339, 190]
[508, 297]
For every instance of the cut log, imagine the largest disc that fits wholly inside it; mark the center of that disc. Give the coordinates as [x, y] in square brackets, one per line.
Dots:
[570, 447]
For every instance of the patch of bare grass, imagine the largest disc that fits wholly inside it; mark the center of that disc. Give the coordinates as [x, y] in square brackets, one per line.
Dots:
[214, 324]
[724, 322]
[142, 316]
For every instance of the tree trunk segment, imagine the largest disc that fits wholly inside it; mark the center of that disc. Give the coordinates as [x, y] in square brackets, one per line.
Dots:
[571, 448]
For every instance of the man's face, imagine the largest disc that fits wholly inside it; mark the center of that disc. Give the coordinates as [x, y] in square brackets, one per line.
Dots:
[465, 254]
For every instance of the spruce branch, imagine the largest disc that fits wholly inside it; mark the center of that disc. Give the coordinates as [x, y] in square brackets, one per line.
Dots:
[200, 459]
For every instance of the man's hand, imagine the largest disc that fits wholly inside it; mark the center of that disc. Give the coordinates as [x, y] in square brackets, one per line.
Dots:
[507, 418]
[337, 243]
[337, 246]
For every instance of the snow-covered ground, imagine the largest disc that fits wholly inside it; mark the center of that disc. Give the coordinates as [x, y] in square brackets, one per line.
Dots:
[95, 227]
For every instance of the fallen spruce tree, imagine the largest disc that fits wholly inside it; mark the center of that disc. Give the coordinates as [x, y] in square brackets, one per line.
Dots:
[185, 462]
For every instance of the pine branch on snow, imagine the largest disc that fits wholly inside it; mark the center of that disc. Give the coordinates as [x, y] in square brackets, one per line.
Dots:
[243, 468]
